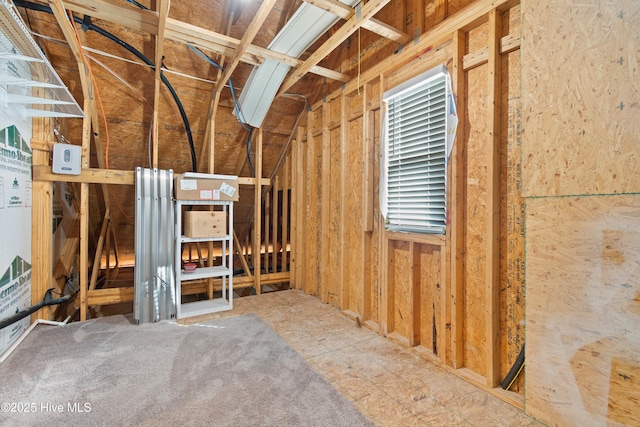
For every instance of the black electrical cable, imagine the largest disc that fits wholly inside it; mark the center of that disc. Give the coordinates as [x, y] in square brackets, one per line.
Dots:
[141, 6]
[515, 370]
[253, 170]
[86, 23]
[236, 104]
[48, 300]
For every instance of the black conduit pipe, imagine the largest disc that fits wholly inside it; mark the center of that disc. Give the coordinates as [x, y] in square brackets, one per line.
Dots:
[48, 300]
[86, 23]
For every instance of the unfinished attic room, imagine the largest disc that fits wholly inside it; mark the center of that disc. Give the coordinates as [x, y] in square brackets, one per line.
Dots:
[320, 212]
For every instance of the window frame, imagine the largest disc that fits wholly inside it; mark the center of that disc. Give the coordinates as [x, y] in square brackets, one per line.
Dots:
[401, 205]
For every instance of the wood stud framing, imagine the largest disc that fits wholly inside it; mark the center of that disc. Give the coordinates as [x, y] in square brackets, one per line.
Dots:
[411, 299]
[493, 200]
[321, 181]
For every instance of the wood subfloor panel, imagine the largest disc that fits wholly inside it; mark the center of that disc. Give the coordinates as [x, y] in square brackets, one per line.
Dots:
[392, 385]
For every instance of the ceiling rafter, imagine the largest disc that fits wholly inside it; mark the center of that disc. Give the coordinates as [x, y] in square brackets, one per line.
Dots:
[148, 21]
[356, 21]
[343, 11]
[219, 43]
[163, 11]
[247, 38]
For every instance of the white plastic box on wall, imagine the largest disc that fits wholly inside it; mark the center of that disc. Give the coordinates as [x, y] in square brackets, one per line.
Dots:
[202, 186]
[67, 159]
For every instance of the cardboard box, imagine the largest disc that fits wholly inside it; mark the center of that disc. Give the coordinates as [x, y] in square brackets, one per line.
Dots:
[202, 186]
[205, 224]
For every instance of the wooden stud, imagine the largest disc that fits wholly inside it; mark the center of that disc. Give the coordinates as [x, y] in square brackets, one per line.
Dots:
[266, 230]
[298, 247]
[107, 250]
[367, 140]
[494, 117]
[325, 197]
[343, 199]
[274, 225]
[457, 201]
[41, 236]
[443, 336]
[388, 306]
[163, 10]
[67, 29]
[415, 294]
[288, 165]
[257, 216]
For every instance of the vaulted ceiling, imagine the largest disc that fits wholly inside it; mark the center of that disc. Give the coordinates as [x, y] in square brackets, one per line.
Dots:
[122, 41]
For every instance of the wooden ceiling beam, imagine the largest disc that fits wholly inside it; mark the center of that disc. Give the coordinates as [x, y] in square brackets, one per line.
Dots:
[367, 12]
[148, 21]
[222, 44]
[247, 38]
[109, 10]
[343, 11]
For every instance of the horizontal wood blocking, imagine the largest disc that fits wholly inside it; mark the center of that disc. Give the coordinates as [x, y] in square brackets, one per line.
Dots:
[108, 176]
[508, 43]
[125, 294]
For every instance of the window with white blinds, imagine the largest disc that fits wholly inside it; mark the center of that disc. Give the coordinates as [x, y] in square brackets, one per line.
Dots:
[414, 171]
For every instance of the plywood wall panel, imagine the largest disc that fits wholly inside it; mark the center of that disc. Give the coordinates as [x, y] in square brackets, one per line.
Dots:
[581, 77]
[583, 287]
[354, 237]
[476, 222]
[403, 284]
[336, 229]
[308, 161]
[315, 211]
[375, 268]
[512, 222]
[430, 297]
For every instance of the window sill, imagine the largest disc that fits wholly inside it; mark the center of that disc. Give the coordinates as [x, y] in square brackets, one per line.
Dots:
[429, 239]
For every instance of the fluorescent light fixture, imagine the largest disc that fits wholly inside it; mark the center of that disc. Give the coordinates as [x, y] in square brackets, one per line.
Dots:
[305, 26]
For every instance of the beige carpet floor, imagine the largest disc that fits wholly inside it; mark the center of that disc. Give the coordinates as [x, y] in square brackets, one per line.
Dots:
[234, 371]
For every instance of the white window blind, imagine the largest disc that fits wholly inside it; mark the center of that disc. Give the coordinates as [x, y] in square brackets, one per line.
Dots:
[416, 154]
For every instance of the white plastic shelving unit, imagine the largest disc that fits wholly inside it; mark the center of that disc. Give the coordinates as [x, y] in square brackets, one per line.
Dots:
[224, 271]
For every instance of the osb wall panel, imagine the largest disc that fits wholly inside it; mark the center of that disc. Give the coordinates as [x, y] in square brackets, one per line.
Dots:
[430, 297]
[512, 223]
[354, 232]
[298, 211]
[476, 222]
[403, 276]
[581, 81]
[336, 230]
[304, 244]
[378, 226]
[583, 310]
[314, 237]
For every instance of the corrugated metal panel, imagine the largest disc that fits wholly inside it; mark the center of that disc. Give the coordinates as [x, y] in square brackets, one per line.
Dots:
[154, 287]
